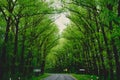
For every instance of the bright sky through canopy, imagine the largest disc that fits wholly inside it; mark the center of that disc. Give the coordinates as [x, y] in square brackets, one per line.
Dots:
[61, 19]
[61, 22]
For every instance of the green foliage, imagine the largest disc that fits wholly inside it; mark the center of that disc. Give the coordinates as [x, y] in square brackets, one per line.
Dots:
[30, 39]
[30, 36]
[41, 77]
[91, 40]
[85, 77]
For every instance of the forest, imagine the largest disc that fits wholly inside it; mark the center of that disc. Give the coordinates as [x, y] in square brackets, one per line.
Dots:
[30, 39]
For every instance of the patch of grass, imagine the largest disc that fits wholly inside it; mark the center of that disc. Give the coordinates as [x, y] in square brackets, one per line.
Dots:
[40, 77]
[85, 77]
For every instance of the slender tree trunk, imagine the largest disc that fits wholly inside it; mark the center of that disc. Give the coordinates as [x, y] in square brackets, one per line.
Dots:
[116, 59]
[114, 47]
[22, 60]
[109, 53]
[115, 51]
[97, 60]
[116, 55]
[89, 61]
[43, 62]
[3, 61]
[3, 57]
[119, 8]
[14, 67]
[95, 70]
[43, 67]
[102, 68]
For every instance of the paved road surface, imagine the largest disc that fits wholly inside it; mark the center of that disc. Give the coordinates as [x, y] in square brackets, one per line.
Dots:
[59, 77]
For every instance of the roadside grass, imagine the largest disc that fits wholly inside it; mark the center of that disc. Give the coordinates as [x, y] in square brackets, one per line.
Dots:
[40, 77]
[85, 77]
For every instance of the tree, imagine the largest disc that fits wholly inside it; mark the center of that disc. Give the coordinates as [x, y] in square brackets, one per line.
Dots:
[19, 30]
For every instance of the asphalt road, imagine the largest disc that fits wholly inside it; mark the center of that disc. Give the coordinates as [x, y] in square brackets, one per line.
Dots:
[59, 77]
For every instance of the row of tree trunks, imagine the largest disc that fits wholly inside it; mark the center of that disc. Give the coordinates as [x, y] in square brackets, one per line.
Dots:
[3, 62]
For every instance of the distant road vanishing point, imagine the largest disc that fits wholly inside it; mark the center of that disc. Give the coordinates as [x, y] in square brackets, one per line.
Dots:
[59, 77]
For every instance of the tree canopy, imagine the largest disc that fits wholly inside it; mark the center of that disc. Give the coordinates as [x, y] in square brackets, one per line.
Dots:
[30, 39]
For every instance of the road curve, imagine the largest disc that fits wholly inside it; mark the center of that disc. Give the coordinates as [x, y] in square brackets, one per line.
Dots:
[59, 77]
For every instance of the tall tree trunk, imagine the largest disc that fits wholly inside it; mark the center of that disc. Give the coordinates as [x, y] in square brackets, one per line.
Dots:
[44, 56]
[43, 62]
[90, 66]
[102, 68]
[116, 55]
[108, 52]
[22, 60]
[3, 57]
[119, 8]
[14, 67]
[95, 70]
[114, 47]
[97, 59]
[3, 60]
[43, 67]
